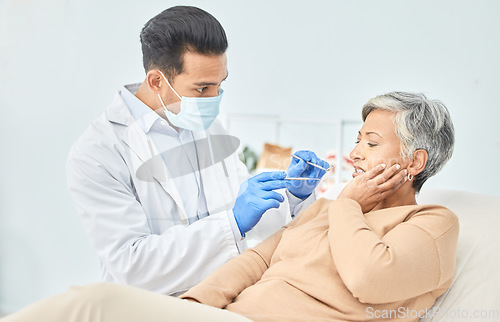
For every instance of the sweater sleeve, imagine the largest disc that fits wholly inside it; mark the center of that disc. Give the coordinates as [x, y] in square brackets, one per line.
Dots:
[222, 286]
[415, 257]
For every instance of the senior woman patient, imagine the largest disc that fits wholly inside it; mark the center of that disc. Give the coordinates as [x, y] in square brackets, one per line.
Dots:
[371, 253]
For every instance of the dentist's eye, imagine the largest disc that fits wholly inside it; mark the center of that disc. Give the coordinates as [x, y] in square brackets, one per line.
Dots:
[202, 89]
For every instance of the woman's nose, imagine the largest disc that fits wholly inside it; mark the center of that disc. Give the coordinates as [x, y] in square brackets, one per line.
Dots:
[356, 153]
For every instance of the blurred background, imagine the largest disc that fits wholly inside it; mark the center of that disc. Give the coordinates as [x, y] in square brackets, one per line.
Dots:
[61, 63]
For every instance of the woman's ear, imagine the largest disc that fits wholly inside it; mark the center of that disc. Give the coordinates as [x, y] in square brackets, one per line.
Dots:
[418, 164]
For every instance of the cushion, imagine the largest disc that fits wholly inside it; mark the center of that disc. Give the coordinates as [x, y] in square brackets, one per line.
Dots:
[475, 292]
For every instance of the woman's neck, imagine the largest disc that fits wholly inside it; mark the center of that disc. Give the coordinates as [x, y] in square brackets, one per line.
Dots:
[404, 196]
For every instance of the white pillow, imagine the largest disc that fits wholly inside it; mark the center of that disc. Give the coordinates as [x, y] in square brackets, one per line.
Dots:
[475, 292]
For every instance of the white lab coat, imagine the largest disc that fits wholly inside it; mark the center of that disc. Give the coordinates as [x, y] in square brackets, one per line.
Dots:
[138, 227]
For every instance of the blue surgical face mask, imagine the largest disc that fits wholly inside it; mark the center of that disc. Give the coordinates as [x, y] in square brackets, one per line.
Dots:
[196, 114]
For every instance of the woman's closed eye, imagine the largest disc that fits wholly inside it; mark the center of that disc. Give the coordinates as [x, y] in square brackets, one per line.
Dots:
[371, 145]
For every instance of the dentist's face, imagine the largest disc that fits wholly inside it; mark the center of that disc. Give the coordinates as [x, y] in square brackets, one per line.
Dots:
[377, 143]
[202, 76]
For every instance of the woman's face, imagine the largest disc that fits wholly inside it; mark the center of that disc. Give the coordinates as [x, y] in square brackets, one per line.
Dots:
[377, 143]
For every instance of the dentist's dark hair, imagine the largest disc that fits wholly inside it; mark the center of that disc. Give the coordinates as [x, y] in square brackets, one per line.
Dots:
[168, 35]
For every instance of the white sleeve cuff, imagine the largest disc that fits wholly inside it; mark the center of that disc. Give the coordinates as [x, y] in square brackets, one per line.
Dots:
[297, 205]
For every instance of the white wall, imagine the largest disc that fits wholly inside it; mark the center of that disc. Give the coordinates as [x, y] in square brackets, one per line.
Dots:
[62, 61]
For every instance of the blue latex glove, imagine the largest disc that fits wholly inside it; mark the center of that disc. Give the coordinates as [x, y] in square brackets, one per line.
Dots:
[300, 169]
[256, 196]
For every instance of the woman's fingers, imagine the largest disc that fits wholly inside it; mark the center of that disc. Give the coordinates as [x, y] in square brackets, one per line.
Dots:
[395, 182]
[389, 179]
[387, 174]
[375, 171]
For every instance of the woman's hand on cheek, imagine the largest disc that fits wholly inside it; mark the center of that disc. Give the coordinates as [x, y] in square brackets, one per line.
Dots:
[374, 186]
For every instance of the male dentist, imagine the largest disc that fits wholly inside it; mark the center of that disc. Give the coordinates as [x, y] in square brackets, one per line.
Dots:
[157, 181]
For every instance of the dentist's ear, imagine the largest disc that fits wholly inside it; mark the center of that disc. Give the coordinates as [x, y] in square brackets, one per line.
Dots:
[153, 79]
[418, 164]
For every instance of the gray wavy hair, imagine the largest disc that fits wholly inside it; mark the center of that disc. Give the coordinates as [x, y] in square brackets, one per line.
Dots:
[421, 124]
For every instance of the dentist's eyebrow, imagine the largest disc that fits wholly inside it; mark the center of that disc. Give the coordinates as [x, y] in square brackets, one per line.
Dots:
[210, 83]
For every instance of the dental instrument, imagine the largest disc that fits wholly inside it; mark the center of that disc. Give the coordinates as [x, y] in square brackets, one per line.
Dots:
[314, 165]
[302, 179]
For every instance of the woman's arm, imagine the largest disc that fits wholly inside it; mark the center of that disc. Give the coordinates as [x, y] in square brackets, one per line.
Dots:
[221, 287]
[413, 258]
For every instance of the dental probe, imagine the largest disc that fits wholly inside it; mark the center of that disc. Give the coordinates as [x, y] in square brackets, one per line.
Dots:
[302, 179]
[314, 165]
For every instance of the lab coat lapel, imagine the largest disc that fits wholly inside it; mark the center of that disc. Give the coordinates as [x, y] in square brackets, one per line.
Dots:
[218, 193]
[146, 153]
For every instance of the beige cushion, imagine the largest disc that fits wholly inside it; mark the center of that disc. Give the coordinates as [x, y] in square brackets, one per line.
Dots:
[475, 292]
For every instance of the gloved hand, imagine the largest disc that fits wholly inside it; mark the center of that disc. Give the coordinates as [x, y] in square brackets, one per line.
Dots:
[256, 196]
[300, 169]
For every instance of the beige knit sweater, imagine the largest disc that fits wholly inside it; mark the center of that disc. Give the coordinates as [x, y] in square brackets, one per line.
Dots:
[334, 263]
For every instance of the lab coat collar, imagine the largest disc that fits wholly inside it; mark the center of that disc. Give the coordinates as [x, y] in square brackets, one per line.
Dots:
[139, 111]
[126, 108]
[118, 112]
